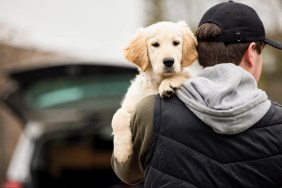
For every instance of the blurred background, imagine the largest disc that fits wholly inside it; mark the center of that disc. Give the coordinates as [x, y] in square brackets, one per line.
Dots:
[34, 32]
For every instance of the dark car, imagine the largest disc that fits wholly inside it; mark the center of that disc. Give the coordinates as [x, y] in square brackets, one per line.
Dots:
[66, 111]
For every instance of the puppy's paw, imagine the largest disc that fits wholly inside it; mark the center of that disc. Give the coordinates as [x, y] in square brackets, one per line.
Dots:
[169, 85]
[122, 136]
[165, 90]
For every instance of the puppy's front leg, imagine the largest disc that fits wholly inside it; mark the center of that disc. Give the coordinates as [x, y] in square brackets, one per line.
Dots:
[169, 85]
[122, 135]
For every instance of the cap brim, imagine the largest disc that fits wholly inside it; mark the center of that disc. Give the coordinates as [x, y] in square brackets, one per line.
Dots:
[273, 43]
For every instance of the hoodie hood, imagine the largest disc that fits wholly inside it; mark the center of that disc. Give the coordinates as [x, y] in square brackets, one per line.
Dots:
[225, 97]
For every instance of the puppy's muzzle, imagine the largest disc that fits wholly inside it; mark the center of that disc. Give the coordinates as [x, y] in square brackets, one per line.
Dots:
[168, 62]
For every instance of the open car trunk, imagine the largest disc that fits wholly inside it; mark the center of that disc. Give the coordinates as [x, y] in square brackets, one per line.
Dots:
[73, 105]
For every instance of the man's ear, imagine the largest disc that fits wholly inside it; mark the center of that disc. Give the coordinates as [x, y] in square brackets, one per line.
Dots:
[248, 57]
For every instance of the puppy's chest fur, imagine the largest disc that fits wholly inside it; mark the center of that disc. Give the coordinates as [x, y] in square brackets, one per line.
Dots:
[149, 81]
[141, 86]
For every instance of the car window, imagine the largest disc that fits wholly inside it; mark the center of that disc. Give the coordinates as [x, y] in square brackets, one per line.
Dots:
[95, 92]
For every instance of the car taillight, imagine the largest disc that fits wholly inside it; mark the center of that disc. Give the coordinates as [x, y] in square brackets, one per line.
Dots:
[12, 184]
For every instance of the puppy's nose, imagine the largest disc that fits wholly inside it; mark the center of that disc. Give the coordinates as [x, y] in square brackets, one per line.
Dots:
[168, 61]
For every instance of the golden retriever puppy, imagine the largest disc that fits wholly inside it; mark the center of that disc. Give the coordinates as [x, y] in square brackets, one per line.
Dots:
[161, 52]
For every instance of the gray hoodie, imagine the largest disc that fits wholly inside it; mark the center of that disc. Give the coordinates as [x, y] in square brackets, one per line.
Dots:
[225, 97]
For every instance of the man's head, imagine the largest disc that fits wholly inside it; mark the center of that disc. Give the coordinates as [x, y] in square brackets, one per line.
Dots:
[227, 31]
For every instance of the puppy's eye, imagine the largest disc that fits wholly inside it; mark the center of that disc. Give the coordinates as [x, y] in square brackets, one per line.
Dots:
[155, 44]
[176, 43]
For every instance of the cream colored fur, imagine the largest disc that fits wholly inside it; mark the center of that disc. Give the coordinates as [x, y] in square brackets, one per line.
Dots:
[148, 50]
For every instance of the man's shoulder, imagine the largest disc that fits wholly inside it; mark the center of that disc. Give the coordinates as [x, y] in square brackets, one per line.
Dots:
[144, 111]
[276, 104]
[274, 115]
[146, 103]
[275, 109]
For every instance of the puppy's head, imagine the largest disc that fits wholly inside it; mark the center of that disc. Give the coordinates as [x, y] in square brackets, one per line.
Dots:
[164, 48]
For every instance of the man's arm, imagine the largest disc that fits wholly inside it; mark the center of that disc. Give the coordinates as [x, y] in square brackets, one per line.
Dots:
[132, 171]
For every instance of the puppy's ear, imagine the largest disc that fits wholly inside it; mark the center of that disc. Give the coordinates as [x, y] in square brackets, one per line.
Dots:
[189, 52]
[136, 50]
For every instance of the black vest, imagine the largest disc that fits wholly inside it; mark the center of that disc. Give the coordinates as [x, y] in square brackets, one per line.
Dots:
[188, 153]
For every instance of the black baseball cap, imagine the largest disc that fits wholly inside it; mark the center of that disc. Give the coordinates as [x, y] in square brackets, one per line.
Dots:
[238, 22]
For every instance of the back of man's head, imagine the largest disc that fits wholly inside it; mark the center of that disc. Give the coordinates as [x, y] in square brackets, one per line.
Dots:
[225, 32]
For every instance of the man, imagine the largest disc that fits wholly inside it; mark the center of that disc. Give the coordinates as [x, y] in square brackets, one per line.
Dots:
[219, 130]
